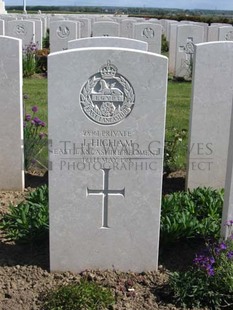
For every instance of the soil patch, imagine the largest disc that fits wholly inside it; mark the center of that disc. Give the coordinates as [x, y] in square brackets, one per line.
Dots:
[25, 276]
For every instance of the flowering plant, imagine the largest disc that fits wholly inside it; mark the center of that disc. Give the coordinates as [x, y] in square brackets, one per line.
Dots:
[29, 63]
[34, 138]
[209, 283]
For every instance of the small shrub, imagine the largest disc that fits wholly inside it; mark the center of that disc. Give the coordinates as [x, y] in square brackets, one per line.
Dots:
[29, 221]
[86, 295]
[34, 139]
[172, 148]
[191, 214]
[209, 283]
[29, 63]
[165, 46]
[45, 42]
[41, 58]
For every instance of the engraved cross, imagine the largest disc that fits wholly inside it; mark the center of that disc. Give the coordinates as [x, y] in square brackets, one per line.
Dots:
[105, 192]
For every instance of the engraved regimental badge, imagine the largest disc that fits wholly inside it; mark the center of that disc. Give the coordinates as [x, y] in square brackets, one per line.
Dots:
[107, 97]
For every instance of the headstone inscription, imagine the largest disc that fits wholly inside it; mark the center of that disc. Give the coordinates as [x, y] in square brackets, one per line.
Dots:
[149, 33]
[22, 29]
[11, 115]
[112, 134]
[210, 115]
[61, 32]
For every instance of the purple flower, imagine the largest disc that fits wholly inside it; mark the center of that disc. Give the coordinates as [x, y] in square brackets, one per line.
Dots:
[222, 246]
[33, 122]
[37, 121]
[28, 117]
[210, 272]
[229, 223]
[42, 124]
[230, 255]
[34, 109]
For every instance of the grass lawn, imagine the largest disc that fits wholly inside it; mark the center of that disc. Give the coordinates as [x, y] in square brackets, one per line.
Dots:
[178, 107]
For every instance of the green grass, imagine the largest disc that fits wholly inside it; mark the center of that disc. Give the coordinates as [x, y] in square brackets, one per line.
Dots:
[178, 106]
[36, 89]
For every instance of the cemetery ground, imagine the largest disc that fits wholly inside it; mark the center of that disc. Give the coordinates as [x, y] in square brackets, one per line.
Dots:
[24, 268]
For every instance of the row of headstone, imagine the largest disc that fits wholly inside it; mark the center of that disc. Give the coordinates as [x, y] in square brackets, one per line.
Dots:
[108, 141]
[63, 31]
[183, 36]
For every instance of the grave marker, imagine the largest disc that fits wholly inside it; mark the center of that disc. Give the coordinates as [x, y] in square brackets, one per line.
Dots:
[110, 144]
[108, 42]
[210, 115]
[61, 32]
[149, 33]
[187, 36]
[11, 115]
[227, 214]
[21, 29]
[105, 29]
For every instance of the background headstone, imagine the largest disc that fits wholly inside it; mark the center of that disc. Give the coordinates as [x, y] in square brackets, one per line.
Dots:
[11, 115]
[227, 214]
[21, 29]
[106, 29]
[210, 115]
[2, 27]
[225, 33]
[108, 42]
[149, 33]
[61, 32]
[126, 28]
[186, 37]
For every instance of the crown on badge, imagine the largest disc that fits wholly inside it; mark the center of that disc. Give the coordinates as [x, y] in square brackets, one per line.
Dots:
[108, 71]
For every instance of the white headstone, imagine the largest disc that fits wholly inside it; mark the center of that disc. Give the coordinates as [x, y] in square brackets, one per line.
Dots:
[107, 158]
[186, 37]
[61, 32]
[11, 115]
[210, 115]
[21, 29]
[106, 29]
[85, 24]
[126, 28]
[2, 27]
[172, 47]
[213, 33]
[108, 42]
[227, 214]
[2, 7]
[149, 33]
[225, 33]
[38, 32]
